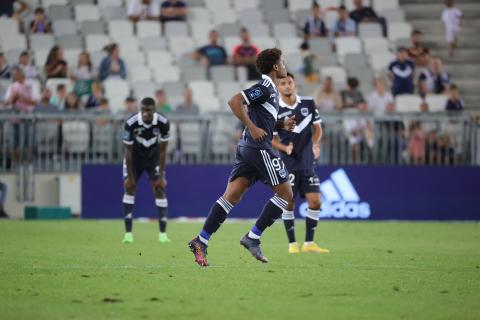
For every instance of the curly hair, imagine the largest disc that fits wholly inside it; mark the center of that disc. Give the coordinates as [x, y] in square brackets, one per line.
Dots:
[267, 59]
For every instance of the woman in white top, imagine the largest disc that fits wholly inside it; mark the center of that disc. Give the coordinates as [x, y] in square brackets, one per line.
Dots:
[451, 17]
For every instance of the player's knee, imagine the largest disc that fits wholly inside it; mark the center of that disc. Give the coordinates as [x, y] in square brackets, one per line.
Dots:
[233, 198]
[286, 194]
[315, 204]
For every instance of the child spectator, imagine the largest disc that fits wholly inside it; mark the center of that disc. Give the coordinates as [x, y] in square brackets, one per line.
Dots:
[4, 68]
[95, 97]
[72, 103]
[327, 98]
[352, 97]
[162, 105]
[310, 67]
[435, 77]
[315, 26]
[245, 54]
[454, 103]
[59, 98]
[344, 26]
[451, 18]
[44, 105]
[401, 73]
[416, 144]
[26, 65]
[417, 52]
[40, 24]
[112, 66]
[56, 66]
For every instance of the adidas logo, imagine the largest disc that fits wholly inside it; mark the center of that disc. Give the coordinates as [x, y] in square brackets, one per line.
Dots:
[340, 199]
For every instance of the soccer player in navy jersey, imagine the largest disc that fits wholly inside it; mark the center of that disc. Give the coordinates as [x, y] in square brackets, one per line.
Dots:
[145, 137]
[298, 149]
[255, 159]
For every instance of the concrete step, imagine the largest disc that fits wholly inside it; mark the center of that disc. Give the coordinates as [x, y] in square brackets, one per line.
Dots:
[468, 86]
[465, 56]
[434, 11]
[404, 2]
[463, 71]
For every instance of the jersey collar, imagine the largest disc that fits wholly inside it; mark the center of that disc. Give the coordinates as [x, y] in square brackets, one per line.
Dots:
[267, 78]
[284, 105]
[154, 121]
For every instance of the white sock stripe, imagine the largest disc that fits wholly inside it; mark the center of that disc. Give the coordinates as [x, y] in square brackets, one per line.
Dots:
[273, 169]
[313, 214]
[162, 203]
[202, 239]
[288, 215]
[270, 169]
[284, 202]
[225, 203]
[128, 216]
[163, 219]
[281, 204]
[221, 204]
[128, 199]
[266, 165]
[253, 235]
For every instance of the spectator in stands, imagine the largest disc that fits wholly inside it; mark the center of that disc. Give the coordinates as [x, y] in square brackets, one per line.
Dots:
[423, 90]
[315, 26]
[327, 98]
[436, 79]
[366, 14]
[83, 75]
[352, 98]
[7, 8]
[104, 109]
[26, 65]
[451, 18]
[143, 10]
[245, 54]
[131, 105]
[112, 66]
[212, 54]
[162, 105]
[416, 143]
[401, 74]
[188, 105]
[21, 94]
[417, 52]
[360, 133]
[72, 103]
[454, 102]
[173, 10]
[56, 66]
[59, 99]
[4, 67]
[95, 97]
[40, 23]
[310, 67]
[380, 101]
[344, 26]
[44, 105]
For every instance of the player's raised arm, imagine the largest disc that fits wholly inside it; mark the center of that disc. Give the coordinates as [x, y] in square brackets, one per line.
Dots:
[236, 103]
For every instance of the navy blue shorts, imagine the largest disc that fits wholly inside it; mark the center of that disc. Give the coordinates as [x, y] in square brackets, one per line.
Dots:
[144, 163]
[259, 164]
[303, 182]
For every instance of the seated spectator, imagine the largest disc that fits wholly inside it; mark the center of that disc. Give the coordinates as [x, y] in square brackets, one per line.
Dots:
[7, 8]
[21, 94]
[211, 54]
[418, 53]
[26, 65]
[40, 23]
[401, 74]
[143, 10]
[454, 103]
[359, 132]
[188, 105]
[131, 105]
[173, 10]
[380, 101]
[103, 108]
[436, 79]
[424, 107]
[95, 97]
[327, 98]
[4, 67]
[344, 26]
[416, 144]
[352, 98]
[310, 66]
[366, 14]
[451, 18]
[162, 105]
[315, 26]
[56, 66]
[245, 54]
[83, 75]
[44, 105]
[112, 66]
[72, 103]
[59, 98]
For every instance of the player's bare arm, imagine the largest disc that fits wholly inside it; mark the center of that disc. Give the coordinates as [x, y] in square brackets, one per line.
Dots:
[316, 137]
[130, 183]
[277, 144]
[163, 156]
[236, 103]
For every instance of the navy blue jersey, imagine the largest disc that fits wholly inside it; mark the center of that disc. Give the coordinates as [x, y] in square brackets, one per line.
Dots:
[144, 137]
[306, 115]
[262, 104]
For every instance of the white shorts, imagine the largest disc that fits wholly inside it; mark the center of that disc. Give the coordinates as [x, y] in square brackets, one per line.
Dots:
[451, 33]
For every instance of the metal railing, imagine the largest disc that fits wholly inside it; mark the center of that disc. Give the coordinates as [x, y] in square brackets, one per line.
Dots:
[64, 141]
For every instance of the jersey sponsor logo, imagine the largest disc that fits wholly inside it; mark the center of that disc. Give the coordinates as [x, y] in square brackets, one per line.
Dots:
[138, 131]
[255, 94]
[340, 200]
[304, 111]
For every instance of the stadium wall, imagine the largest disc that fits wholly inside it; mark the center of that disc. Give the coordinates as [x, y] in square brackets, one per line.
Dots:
[356, 192]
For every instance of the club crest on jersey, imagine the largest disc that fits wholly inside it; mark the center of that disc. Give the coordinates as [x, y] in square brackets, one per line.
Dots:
[255, 94]
[282, 172]
[304, 112]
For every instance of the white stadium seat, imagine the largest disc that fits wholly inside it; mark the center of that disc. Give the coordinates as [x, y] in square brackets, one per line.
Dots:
[380, 61]
[116, 91]
[96, 42]
[375, 45]
[139, 73]
[119, 29]
[380, 5]
[347, 45]
[157, 59]
[166, 73]
[148, 29]
[399, 30]
[436, 102]
[338, 74]
[84, 12]
[408, 103]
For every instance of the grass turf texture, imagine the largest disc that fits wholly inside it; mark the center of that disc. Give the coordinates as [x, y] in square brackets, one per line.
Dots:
[376, 270]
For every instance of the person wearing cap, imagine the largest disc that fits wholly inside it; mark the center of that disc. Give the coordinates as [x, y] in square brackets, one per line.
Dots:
[402, 71]
[417, 52]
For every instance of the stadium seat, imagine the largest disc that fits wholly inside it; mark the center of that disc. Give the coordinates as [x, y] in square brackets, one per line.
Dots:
[96, 42]
[127, 43]
[63, 27]
[393, 15]
[222, 73]
[9, 26]
[281, 30]
[153, 43]
[245, 4]
[92, 27]
[197, 14]
[12, 41]
[119, 29]
[133, 57]
[201, 88]
[59, 12]
[102, 142]
[230, 43]
[436, 102]
[180, 45]
[338, 74]
[330, 17]
[200, 31]
[301, 17]
[229, 29]
[224, 16]
[110, 3]
[380, 61]
[347, 45]
[71, 55]
[277, 16]
[227, 89]
[166, 73]
[399, 30]
[218, 5]
[369, 30]
[97, 57]
[191, 138]
[139, 73]
[408, 103]
[40, 41]
[76, 135]
[70, 41]
[329, 3]
[250, 16]
[157, 59]
[195, 3]
[327, 60]
[48, 3]
[268, 5]
[208, 103]
[148, 29]
[355, 60]
[380, 5]
[84, 12]
[173, 88]
[114, 13]
[289, 44]
[259, 30]
[375, 45]
[264, 42]
[299, 5]
[143, 89]
[223, 136]
[116, 91]
[176, 29]
[12, 56]
[320, 45]
[196, 72]
[52, 84]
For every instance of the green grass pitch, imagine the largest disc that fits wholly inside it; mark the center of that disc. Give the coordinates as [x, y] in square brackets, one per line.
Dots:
[376, 270]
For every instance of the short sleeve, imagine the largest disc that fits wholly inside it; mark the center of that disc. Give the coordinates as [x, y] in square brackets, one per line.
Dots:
[165, 131]
[256, 94]
[316, 115]
[128, 134]
[202, 50]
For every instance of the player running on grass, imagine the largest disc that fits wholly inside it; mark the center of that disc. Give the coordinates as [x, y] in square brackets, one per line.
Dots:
[145, 137]
[255, 159]
[298, 149]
